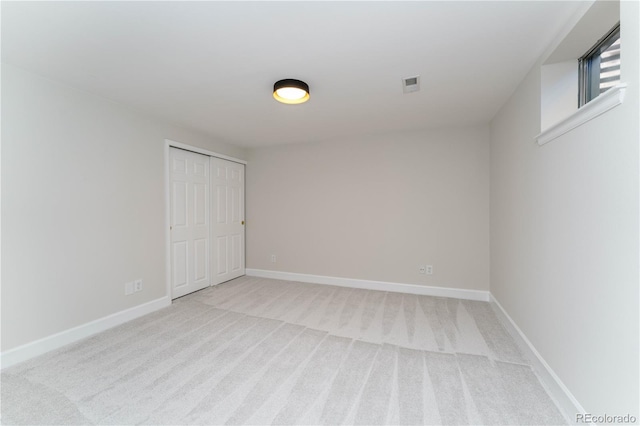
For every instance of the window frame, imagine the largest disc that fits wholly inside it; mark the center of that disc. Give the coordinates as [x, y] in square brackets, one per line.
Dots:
[588, 84]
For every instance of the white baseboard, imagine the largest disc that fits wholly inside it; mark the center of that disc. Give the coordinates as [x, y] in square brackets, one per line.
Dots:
[55, 341]
[567, 403]
[457, 293]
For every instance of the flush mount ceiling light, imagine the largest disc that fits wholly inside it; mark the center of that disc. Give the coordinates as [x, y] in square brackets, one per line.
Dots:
[290, 91]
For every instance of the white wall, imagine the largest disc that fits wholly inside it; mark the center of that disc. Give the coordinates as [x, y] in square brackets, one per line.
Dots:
[82, 205]
[374, 208]
[564, 237]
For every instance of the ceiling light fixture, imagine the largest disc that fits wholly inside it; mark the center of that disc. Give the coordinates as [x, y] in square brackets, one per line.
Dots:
[290, 91]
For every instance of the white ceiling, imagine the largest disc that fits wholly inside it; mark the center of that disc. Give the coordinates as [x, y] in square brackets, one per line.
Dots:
[210, 66]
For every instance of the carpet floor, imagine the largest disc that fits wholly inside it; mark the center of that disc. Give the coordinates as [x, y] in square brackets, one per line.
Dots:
[259, 351]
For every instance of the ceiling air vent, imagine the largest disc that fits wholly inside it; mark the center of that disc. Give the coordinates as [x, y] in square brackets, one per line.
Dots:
[411, 84]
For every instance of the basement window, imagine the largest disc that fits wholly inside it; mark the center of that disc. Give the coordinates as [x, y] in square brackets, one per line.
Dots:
[599, 68]
[576, 87]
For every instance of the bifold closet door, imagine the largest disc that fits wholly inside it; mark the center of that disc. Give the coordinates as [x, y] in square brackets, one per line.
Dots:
[190, 219]
[227, 189]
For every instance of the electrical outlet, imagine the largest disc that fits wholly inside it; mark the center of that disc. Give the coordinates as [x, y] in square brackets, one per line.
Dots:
[429, 269]
[128, 288]
[422, 270]
[273, 258]
[137, 285]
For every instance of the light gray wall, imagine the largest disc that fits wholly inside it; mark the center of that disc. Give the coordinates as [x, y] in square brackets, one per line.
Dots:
[564, 237]
[82, 205]
[374, 208]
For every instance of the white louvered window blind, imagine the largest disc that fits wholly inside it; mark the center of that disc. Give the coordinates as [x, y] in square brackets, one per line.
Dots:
[600, 67]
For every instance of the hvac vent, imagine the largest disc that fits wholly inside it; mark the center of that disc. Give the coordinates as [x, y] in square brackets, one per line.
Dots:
[411, 84]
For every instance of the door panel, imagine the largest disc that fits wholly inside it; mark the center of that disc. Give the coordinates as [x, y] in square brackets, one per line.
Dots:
[179, 204]
[228, 231]
[200, 204]
[221, 260]
[201, 258]
[190, 221]
[235, 204]
[179, 263]
[236, 248]
[221, 204]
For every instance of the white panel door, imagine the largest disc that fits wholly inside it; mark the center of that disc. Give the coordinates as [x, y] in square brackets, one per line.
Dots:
[227, 201]
[190, 218]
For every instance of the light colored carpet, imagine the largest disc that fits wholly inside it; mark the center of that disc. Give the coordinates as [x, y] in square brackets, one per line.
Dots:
[259, 351]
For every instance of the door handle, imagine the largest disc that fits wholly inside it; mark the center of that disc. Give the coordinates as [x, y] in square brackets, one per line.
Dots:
[242, 222]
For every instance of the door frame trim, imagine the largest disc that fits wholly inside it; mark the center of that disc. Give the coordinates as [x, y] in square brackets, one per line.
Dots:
[168, 143]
